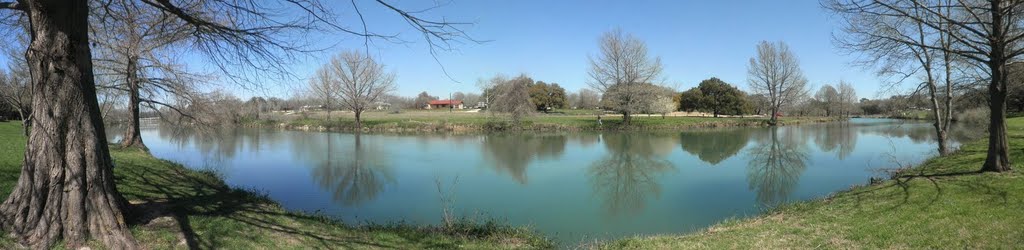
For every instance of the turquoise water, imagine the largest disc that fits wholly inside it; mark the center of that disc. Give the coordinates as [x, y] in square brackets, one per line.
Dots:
[570, 186]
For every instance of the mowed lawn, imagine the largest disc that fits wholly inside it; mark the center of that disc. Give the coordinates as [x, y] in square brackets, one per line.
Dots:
[943, 203]
[178, 208]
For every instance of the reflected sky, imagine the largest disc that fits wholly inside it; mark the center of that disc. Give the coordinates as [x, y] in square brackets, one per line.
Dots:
[568, 185]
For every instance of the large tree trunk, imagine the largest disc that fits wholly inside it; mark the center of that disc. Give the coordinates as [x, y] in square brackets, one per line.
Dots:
[133, 135]
[626, 118]
[998, 158]
[66, 187]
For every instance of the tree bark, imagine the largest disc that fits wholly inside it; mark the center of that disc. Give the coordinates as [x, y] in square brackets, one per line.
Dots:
[359, 122]
[998, 158]
[133, 135]
[66, 188]
[626, 118]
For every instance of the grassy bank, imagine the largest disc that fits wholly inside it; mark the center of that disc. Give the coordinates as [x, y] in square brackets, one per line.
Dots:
[432, 121]
[942, 203]
[178, 208]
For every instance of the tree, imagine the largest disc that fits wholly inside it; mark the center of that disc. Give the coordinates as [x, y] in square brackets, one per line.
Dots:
[547, 96]
[471, 99]
[721, 98]
[588, 99]
[691, 100]
[66, 188]
[663, 104]
[423, 99]
[459, 96]
[985, 34]
[775, 73]
[758, 103]
[621, 70]
[847, 98]
[15, 90]
[512, 96]
[362, 81]
[134, 47]
[256, 105]
[827, 99]
[325, 88]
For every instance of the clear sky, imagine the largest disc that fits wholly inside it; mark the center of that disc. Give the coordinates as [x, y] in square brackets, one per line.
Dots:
[551, 40]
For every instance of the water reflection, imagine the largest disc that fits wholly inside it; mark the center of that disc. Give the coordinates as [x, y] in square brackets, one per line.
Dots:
[511, 154]
[775, 165]
[604, 183]
[626, 178]
[716, 145]
[839, 137]
[354, 174]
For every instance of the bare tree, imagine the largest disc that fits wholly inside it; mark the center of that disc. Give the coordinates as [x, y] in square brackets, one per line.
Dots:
[828, 99]
[14, 84]
[775, 73]
[134, 47]
[620, 71]
[361, 80]
[987, 34]
[325, 87]
[512, 96]
[66, 188]
[847, 98]
[589, 99]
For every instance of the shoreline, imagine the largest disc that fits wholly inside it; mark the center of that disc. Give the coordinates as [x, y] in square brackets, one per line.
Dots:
[546, 124]
[916, 207]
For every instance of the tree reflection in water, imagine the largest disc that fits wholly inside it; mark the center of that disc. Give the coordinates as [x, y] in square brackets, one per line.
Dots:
[775, 166]
[840, 137]
[354, 175]
[512, 153]
[627, 176]
[714, 145]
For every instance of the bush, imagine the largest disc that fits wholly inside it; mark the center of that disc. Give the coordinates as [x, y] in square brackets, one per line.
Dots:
[974, 116]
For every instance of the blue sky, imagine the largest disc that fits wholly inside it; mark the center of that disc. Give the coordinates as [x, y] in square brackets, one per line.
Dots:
[551, 40]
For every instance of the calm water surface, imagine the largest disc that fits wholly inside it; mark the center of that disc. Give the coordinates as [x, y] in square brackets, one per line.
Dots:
[570, 186]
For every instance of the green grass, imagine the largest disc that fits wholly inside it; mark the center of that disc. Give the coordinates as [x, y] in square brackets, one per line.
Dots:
[560, 120]
[942, 203]
[178, 208]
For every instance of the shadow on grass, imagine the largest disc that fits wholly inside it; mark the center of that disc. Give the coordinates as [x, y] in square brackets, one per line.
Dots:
[182, 195]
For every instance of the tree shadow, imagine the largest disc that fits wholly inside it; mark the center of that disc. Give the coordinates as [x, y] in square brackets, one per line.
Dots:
[173, 198]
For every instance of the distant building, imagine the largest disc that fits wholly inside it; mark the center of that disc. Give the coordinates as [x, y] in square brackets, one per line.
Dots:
[382, 105]
[443, 104]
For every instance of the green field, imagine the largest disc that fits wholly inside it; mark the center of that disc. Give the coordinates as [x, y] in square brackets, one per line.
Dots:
[178, 208]
[943, 203]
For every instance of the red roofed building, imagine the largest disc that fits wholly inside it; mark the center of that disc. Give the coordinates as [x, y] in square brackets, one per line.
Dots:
[443, 104]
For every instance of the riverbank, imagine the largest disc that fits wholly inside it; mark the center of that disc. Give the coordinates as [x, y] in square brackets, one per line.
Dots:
[178, 208]
[434, 121]
[942, 203]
